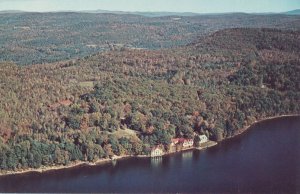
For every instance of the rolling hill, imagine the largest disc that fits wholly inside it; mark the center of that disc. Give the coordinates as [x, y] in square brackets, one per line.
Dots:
[37, 38]
[66, 111]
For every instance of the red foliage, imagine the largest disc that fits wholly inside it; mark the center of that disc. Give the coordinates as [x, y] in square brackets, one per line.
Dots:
[5, 133]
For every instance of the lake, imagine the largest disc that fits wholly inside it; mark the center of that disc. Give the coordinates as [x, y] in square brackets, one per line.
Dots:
[266, 158]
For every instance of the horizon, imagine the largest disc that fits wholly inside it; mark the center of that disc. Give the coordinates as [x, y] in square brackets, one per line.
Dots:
[122, 11]
[180, 6]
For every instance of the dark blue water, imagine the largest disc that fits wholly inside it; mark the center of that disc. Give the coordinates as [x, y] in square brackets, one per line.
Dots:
[264, 159]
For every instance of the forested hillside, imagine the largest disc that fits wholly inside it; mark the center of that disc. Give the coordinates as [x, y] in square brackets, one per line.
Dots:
[36, 38]
[126, 101]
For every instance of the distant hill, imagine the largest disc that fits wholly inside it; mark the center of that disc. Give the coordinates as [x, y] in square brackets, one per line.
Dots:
[159, 14]
[246, 39]
[11, 11]
[147, 14]
[293, 12]
[164, 14]
[87, 33]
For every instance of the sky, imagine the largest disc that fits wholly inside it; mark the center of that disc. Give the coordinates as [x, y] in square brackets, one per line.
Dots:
[197, 6]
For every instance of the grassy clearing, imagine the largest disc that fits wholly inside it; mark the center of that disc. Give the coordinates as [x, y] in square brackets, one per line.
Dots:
[126, 133]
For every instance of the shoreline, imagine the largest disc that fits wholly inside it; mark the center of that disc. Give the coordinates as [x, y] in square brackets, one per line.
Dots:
[107, 160]
[244, 129]
[58, 167]
[71, 165]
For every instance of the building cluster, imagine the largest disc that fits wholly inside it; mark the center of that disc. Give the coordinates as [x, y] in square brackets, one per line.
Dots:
[177, 144]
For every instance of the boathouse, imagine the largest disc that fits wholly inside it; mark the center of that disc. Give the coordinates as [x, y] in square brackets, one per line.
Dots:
[203, 139]
[187, 143]
[156, 151]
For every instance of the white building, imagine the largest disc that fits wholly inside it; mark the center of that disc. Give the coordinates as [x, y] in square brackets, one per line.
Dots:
[203, 139]
[156, 151]
[188, 143]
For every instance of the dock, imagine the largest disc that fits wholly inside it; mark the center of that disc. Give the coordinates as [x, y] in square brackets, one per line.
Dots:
[206, 145]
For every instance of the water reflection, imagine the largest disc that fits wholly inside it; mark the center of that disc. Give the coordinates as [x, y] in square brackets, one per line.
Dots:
[114, 163]
[156, 161]
[187, 155]
[196, 155]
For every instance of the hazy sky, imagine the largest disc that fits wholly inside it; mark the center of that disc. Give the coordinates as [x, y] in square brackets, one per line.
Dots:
[200, 6]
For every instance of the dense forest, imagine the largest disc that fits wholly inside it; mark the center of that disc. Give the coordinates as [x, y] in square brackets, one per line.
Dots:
[126, 100]
[37, 38]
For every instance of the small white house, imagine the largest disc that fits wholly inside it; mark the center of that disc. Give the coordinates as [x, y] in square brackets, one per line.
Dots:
[188, 143]
[156, 151]
[203, 138]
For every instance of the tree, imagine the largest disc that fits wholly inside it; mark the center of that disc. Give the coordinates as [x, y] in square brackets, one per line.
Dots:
[90, 152]
[126, 144]
[114, 144]
[217, 134]
[196, 141]
[98, 151]
[73, 122]
[137, 147]
[58, 156]
[108, 150]
[75, 153]
[93, 107]
[35, 155]
[3, 160]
